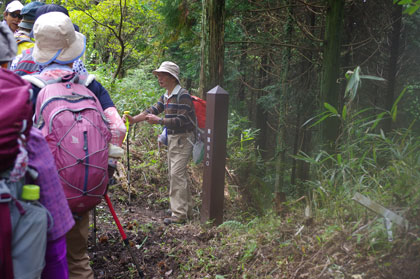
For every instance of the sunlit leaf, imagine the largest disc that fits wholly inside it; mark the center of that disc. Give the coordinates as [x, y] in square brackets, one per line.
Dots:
[353, 84]
[344, 112]
[372, 77]
[411, 10]
[320, 120]
[330, 108]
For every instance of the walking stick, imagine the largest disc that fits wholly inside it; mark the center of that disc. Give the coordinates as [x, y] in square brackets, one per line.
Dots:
[94, 227]
[123, 235]
[127, 124]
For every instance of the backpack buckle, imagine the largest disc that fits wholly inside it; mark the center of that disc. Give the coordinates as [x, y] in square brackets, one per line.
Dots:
[5, 195]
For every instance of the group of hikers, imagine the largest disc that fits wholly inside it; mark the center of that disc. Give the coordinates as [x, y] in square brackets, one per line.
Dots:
[60, 141]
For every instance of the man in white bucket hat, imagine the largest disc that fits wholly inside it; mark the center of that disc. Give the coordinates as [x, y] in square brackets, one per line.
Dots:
[177, 105]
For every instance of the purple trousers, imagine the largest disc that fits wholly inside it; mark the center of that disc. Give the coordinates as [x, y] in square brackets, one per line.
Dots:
[55, 260]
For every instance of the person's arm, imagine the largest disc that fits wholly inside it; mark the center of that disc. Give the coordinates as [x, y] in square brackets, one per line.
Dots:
[101, 93]
[149, 114]
[134, 119]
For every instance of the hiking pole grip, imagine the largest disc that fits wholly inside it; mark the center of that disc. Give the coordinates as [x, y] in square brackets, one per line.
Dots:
[123, 235]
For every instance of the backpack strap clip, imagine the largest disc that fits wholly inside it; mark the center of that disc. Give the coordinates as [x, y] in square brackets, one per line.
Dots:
[5, 195]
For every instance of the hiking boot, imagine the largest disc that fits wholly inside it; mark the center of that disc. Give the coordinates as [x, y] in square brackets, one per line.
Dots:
[174, 220]
[168, 212]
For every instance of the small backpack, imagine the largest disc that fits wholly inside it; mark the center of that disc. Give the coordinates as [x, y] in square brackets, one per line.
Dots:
[200, 111]
[25, 64]
[28, 224]
[71, 119]
[23, 226]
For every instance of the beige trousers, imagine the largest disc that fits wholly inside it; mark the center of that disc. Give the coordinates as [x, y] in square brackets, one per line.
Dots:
[179, 152]
[77, 257]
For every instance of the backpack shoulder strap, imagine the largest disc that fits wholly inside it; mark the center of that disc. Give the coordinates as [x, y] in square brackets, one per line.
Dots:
[90, 78]
[35, 80]
[197, 129]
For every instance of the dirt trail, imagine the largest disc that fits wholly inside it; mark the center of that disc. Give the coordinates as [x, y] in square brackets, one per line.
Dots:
[151, 241]
[163, 251]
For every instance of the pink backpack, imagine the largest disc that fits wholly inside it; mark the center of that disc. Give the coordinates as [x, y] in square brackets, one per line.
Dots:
[71, 118]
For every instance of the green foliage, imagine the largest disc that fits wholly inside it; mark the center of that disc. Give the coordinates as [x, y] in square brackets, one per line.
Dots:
[384, 167]
[411, 6]
[136, 92]
[246, 163]
[114, 28]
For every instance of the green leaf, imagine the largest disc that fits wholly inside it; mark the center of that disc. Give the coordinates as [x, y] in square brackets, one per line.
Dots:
[394, 106]
[372, 77]
[411, 10]
[320, 120]
[344, 112]
[394, 113]
[378, 119]
[312, 118]
[330, 108]
[353, 84]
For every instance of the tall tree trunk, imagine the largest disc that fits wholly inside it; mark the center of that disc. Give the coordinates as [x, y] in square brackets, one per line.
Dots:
[216, 22]
[393, 61]
[212, 45]
[331, 68]
[282, 96]
[204, 51]
[306, 108]
[261, 114]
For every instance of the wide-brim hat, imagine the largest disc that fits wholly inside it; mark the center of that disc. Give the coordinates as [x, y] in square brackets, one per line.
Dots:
[28, 12]
[56, 40]
[27, 24]
[170, 68]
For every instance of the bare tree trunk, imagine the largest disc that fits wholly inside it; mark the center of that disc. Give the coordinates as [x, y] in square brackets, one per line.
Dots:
[306, 108]
[281, 128]
[261, 114]
[202, 88]
[121, 41]
[331, 68]
[216, 21]
[393, 61]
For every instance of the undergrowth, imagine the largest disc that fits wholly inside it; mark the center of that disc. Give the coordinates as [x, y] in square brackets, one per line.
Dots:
[254, 241]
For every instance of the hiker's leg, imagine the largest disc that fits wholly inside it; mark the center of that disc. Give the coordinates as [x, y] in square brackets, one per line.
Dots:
[77, 257]
[55, 260]
[179, 150]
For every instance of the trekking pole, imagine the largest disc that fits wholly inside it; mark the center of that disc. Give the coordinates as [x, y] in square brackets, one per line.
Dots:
[123, 235]
[127, 124]
[94, 227]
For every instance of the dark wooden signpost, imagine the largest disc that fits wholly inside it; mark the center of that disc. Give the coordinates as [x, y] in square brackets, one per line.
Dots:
[215, 156]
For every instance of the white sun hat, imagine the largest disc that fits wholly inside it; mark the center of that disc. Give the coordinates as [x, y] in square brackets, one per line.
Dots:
[13, 7]
[170, 68]
[56, 40]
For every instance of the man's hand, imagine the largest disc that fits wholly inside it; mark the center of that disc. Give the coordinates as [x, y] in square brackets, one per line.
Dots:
[134, 119]
[152, 118]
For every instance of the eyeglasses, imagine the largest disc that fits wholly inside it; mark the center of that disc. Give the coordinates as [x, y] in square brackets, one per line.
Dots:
[15, 15]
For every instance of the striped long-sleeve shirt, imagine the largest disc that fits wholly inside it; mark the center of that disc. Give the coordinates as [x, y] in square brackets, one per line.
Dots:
[178, 111]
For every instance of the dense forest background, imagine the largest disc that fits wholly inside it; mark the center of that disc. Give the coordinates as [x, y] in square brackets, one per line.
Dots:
[324, 95]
